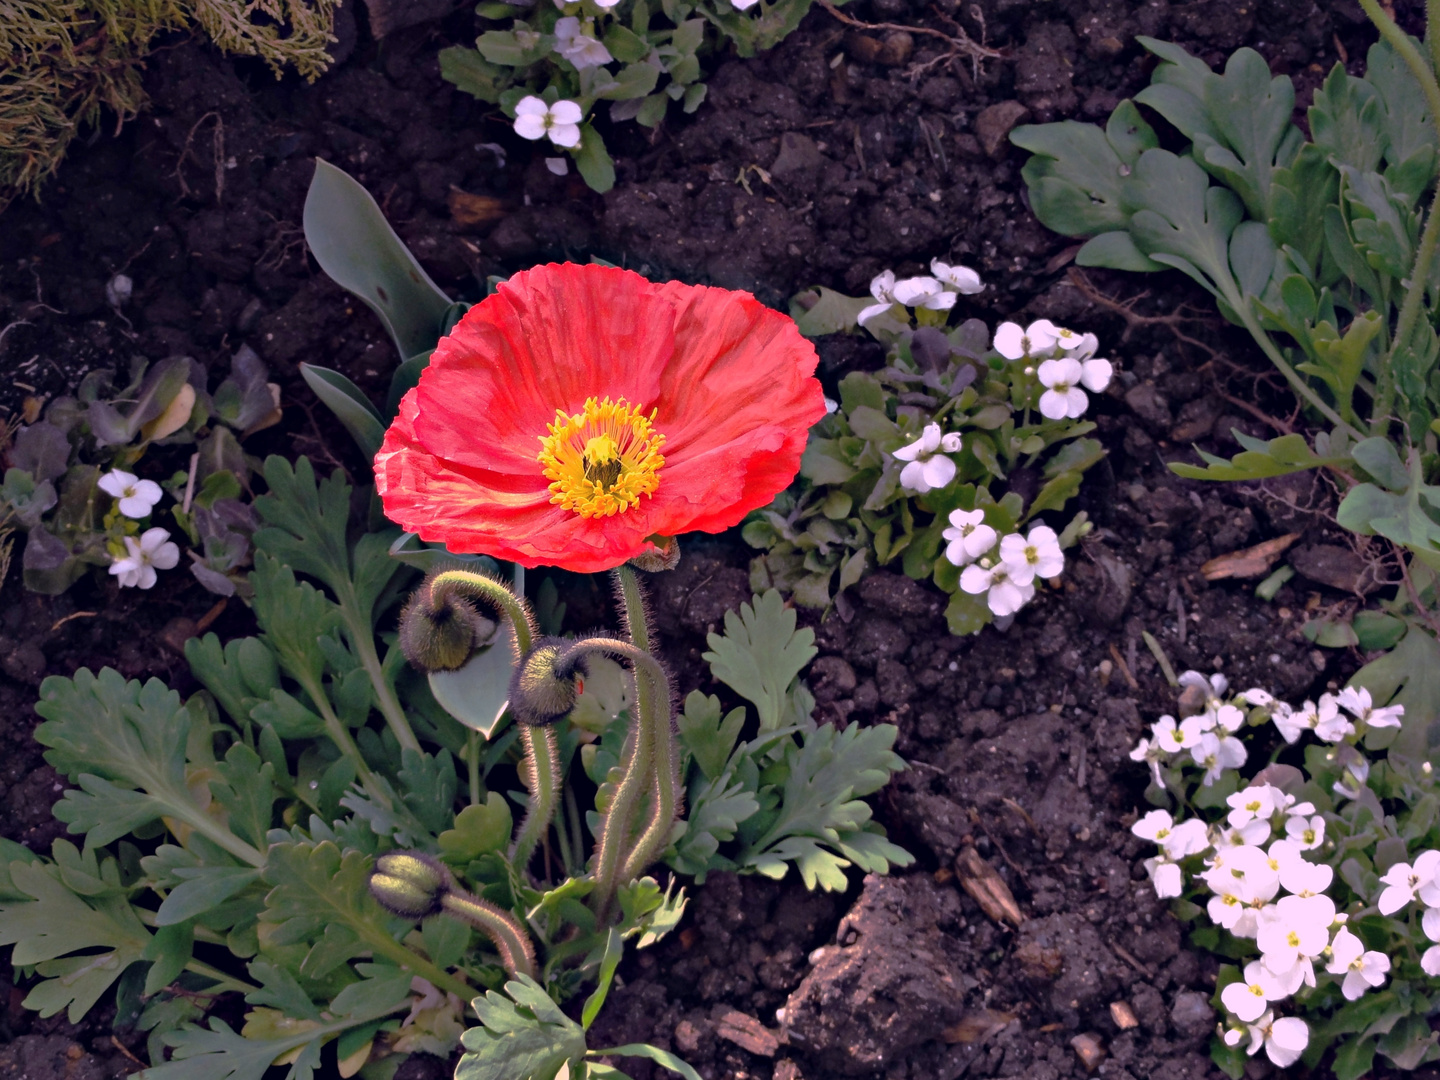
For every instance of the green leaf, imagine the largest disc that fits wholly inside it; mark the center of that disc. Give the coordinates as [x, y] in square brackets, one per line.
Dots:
[1409, 127]
[827, 776]
[471, 72]
[124, 744]
[593, 160]
[246, 789]
[967, 613]
[55, 922]
[614, 949]
[350, 406]
[523, 1035]
[1116, 251]
[1299, 195]
[1181, 221]
[478, 692]
[652, 1053]
[1347, 120]
[1250, 116]
[279, 990]
[1287, 454]
[355, 246]
[829, 312]
[717, 808]
[405, 379]
[702, 732]
[1353, 1058]
[201, 889]
[1055, 494]
[1075, 179]
[760, 653]
[294, 616]
[1409, 675]
[305, 524]
[478, 829]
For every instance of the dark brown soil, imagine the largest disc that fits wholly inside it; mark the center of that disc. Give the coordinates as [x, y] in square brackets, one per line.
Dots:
[1018, 740]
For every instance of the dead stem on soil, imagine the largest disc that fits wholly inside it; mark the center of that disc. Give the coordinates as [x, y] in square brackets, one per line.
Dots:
[1133, 319]
[217, 146]
[960, 43]
[61, 622]
[1124, 667]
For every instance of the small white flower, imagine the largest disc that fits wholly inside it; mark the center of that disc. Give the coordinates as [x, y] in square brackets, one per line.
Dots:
[1095, 373]
[1167, 878]
[1192, 727]
[561, 121]
[1256, 801]
[1003, 595]
[1154, 826]
[924, 292]
[1036, 555]
[1430, 923]
[1284, 1039]
[1215, 754]
[1357, 771]
[578, 47]
[968, 537]
[1170, 738]
[1403, 881]
[153, 549]
[1213, 685]
[1151, 753]
[1329, 724]
[960, 278]
[1247, 997]
[1309, 832]
[928, 467]
[1063, 399]
[882, 287]
[137, 497]
[1257, 697]
[1361, 969]
[1013, 341]
[1357, 700]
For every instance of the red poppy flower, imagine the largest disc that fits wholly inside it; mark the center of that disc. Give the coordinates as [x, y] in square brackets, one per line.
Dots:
[582, 411]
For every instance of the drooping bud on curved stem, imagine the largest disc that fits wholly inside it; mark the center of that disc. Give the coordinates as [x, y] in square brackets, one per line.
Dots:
[414, 885]
[442, 600]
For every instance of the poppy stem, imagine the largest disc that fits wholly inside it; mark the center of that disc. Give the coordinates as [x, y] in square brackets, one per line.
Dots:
[653, 762]
[541, 771]
[494, 593]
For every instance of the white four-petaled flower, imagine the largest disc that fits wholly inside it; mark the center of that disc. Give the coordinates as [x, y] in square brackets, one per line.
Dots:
[1013, 341]
[1036, 555]
[137, 497]
[1284, 1039]
[561, 122]
[968, 536]
[578, 47]
[1362, 968]
[1063, 398]
[928, 468]
[924, 292]
[1003, 595]
[152, 550]
[960, 278]
[1357, 700]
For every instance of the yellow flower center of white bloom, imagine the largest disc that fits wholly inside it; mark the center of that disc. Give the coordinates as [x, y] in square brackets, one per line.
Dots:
[600, 461]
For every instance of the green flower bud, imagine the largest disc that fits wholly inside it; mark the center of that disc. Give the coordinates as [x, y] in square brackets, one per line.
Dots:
[409, 883]
[440, 630]
[546, 682]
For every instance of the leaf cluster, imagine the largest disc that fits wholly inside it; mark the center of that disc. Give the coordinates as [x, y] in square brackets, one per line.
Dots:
[49, 487]
[1310, 245]
[848, 514]
[655, 53]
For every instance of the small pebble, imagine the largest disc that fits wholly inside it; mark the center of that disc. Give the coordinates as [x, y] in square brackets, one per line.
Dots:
[1090, 1050]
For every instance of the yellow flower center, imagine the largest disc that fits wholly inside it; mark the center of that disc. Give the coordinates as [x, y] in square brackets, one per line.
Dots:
[600, 461]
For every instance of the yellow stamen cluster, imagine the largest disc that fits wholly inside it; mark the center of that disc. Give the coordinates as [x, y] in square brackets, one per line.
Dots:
[600, 461]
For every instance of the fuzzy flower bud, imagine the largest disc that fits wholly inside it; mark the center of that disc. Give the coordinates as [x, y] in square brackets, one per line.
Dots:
[665, 556]
[409, 883]
[439, 630]
[546, 682]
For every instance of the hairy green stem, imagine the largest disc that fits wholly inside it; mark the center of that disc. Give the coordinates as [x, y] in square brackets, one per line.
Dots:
[385, 945]
[541, 770]
[494, 593]
[1432, 30]
[504, 931]
[654, 761]
[363, 639]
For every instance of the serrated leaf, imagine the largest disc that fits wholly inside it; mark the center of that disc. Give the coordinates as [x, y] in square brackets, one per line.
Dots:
[760, 653]
[54, 922]
[124, 745]
[478, 830]
[280, 990]
[523, 1035]
[240, 674]
[827, 775]
[717, 808]
[708, 738]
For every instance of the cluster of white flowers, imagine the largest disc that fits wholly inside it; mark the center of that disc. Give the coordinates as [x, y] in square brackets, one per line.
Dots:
[1067, 363]
[937, 293]
[153, 549]
[1262, 885]
[1006, 578]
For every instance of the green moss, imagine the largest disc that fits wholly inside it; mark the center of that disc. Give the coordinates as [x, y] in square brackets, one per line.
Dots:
[67, 63]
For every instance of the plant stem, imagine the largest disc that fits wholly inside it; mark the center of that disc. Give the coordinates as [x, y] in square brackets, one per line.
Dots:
[1283, 366]
[654, 760]
[340, 736]
[504, 932]
[494, 593]
[472, 759]
[363, 639]
[223, 982]
[382, 943]
[542, 777]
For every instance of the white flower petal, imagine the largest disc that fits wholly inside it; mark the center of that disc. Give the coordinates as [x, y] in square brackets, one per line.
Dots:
[566, 135]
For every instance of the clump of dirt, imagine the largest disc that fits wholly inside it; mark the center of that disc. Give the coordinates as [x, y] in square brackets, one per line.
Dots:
[844, 151]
